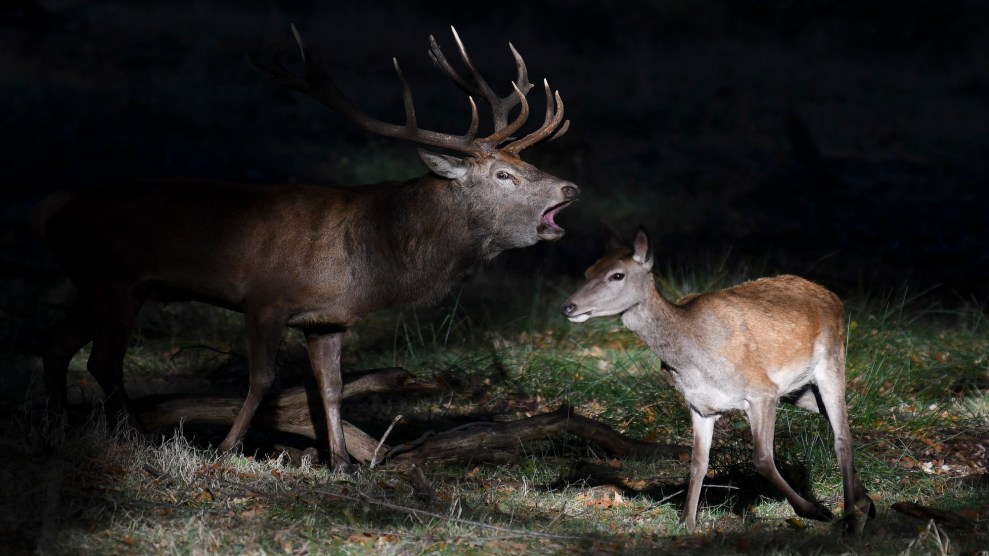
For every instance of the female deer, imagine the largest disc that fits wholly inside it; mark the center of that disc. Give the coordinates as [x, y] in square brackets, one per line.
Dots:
[739, 348]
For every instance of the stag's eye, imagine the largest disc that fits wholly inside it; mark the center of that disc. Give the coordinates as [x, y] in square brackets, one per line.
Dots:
[503, 175]
[616, 277]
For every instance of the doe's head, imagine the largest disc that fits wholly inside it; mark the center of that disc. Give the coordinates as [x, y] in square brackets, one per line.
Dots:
[615, 283]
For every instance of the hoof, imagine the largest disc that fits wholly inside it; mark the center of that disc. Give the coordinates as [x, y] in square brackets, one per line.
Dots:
[853, 522]
[345, 468]
[230, 447]
[689, 522]
[817, 512]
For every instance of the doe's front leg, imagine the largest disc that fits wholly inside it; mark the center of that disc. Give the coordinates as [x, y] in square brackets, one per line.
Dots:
[703, 428]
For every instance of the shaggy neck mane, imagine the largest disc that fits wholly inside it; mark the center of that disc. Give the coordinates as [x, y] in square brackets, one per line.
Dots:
[419, 239]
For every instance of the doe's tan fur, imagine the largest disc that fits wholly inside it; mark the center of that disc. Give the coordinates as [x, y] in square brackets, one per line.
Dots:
[741, 348]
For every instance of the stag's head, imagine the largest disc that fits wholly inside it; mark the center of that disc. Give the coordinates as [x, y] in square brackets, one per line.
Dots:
[615, 283]
[515, 202]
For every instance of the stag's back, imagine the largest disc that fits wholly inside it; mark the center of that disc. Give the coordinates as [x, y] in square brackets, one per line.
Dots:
[342, 251]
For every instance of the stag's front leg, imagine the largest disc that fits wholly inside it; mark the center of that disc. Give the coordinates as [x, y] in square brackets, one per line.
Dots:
[703, 433]
[324, 354]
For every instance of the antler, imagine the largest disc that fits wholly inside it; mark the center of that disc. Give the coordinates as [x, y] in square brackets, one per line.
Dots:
[318, 84]
[554, 115]
[480, 88]
[500, 107]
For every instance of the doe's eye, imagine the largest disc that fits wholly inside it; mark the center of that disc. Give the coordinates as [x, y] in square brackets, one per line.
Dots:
[616, 277]
[503, 175]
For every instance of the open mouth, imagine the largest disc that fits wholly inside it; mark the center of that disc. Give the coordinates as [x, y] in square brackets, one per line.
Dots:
[548, 228]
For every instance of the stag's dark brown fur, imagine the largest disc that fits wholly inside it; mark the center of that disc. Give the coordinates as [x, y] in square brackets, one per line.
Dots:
[311, 257]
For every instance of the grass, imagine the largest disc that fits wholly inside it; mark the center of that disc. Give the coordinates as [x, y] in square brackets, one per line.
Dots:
[917, 414]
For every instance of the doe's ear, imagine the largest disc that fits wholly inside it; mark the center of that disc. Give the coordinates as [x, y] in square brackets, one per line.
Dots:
[641, 250]
[446, 166]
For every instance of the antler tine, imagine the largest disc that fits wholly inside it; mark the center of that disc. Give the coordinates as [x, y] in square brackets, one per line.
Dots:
[472, 130]
[440, 61]
[318, 84]
[410, 109]
[523, 72]
[559, 133]
[554, 115]
[298, 41]
[276, 70]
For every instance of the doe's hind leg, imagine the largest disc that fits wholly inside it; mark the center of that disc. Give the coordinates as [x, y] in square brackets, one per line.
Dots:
[762, 419]
[858, 506]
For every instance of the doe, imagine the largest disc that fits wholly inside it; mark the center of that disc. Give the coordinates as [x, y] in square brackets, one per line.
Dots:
[743, 348]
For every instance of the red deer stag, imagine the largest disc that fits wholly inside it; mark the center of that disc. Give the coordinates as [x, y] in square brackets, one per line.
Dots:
[739, 348]
[315, 258]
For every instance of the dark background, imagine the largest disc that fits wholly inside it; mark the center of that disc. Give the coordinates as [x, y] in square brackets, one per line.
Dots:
[845, 141]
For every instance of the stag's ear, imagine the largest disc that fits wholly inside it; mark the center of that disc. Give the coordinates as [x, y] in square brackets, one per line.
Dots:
[449, 167]
[641, 250]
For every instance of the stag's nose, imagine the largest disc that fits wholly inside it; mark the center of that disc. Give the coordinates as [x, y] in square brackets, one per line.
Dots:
[570, 192]
[568, 309]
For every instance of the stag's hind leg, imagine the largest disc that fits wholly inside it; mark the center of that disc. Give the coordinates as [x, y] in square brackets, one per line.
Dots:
[114, 312]
[61, 344]
[831, 384]
[762, 419]
[264, 334]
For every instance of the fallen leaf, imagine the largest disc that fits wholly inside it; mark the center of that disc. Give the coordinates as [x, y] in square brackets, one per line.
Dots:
[204, 495]
[796, 523]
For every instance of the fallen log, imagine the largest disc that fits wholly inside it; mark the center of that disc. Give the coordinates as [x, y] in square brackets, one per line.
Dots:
[299, 411]
[290, 410]
[490, 441]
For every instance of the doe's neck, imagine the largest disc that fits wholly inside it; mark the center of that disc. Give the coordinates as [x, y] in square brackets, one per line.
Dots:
[656, 321]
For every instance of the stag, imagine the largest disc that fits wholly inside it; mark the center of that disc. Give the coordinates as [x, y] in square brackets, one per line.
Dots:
[313, 258]
[742, 348]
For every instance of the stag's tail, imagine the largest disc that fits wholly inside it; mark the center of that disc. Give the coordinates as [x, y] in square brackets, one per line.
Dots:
[46, 209]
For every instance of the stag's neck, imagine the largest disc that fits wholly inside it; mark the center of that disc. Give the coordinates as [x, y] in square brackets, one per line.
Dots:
[661, 325]
[420, 238]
